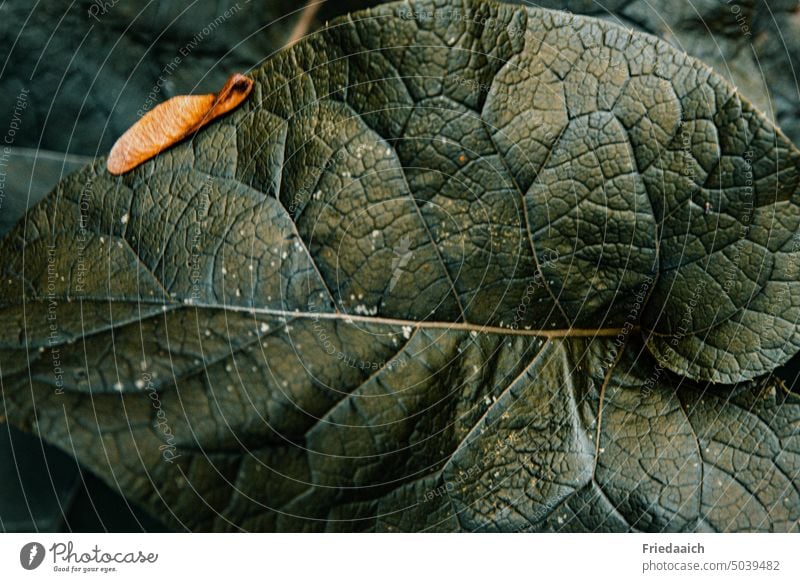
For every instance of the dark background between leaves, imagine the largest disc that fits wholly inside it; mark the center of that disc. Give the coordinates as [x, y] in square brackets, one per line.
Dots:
[89, 67]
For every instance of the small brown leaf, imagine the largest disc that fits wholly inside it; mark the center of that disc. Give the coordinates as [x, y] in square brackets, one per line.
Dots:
[172, 121]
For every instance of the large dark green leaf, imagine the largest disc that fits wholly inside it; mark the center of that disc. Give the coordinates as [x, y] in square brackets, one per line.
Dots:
[451, 266]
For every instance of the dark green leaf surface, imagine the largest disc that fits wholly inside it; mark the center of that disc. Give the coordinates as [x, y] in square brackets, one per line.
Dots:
[754, 44]
[452, 266]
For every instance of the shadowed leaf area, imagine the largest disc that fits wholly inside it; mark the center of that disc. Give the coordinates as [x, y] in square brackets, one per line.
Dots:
[452, 266]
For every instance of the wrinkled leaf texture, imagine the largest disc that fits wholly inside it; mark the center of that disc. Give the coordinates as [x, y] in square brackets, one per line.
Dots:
[752, 43]
[453, 266]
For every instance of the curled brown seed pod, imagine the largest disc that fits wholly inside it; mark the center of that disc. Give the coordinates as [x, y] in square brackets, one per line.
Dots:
[172, 121]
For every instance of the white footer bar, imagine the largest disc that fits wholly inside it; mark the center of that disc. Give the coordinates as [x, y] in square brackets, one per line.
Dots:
[401, 557]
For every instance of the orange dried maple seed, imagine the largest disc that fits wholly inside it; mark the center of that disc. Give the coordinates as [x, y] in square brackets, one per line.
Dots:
[172, 121]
